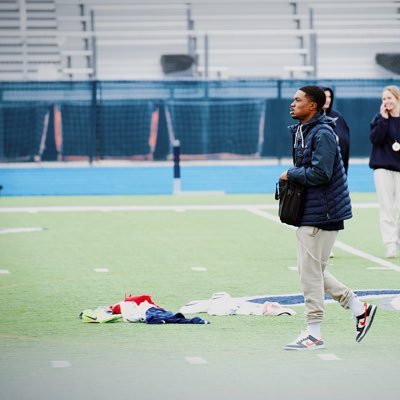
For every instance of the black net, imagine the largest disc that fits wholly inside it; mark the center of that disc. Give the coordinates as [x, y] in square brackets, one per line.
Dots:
[217, 126]
[22, 128]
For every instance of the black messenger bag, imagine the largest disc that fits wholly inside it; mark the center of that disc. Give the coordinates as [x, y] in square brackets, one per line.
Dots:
[291, 201]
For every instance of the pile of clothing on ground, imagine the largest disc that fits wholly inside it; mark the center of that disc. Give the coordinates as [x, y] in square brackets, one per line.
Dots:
[137, 308]
[222, 303]
[141, 308]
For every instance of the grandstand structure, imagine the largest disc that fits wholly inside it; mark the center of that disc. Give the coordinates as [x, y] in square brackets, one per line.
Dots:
[126, 39]
[96, 80]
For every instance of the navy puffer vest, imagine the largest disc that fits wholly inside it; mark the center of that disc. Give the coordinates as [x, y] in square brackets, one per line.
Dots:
[329, 201]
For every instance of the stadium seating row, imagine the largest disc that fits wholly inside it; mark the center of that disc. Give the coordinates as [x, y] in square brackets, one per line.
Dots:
[81, 39]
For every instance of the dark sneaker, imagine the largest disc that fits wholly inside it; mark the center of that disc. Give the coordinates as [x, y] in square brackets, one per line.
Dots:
[305, 342]
[364, 321]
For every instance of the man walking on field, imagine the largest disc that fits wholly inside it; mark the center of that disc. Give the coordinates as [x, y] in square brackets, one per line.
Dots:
[319, 167]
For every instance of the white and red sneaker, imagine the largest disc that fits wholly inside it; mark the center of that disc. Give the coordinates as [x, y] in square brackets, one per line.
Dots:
[305, 342]
[364, 321]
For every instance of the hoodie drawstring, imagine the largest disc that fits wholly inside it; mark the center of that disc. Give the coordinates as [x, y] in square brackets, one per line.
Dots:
[299, 135]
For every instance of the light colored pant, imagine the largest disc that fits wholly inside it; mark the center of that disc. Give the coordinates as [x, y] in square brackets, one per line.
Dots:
[314, 246]
[387, 184]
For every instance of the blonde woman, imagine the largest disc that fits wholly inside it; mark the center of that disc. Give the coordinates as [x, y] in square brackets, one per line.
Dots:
[385, 161]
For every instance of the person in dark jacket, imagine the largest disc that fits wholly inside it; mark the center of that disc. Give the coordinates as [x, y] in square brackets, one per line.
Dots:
[385, 161]
[319, 167]
[341, 129]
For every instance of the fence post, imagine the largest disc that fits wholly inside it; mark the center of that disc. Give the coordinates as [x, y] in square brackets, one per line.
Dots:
[93, 125]
[177, 167]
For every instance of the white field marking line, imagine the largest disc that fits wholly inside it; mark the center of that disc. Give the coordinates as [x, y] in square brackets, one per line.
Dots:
[176, 208]
[255, 209]
[202, 193]
[338, 243]
[367, 256]
[199, 269]
[4, 271]
[60, 364]
[4, 231]
[328, 357]
[195, 360]
[101, 269]
[267, 215]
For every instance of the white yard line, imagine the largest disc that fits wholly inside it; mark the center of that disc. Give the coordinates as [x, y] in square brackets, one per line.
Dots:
[366, 256]
[101, 270]
[195, 360]
[60, 364]
[338, 243]
[199, 269]
[178, 208]
[20, 230]
[257, 209]
[267, 215]
[328, 357]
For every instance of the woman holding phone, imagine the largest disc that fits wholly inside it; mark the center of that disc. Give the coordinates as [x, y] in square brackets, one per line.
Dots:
[385, 161]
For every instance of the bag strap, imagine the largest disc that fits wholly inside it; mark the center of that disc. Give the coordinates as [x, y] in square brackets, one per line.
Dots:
[277, 194]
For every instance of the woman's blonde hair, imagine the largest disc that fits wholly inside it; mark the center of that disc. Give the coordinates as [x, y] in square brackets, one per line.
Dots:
[394, 90]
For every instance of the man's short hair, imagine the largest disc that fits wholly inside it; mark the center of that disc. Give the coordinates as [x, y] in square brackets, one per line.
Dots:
[316, 94]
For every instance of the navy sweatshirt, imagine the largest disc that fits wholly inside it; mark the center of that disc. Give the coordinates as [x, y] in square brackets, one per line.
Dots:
[341, 129]
[384, 132]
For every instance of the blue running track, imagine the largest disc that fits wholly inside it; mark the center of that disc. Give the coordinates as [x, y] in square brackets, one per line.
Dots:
[147, 180]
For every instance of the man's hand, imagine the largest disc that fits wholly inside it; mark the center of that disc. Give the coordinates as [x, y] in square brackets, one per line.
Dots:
[283, 176]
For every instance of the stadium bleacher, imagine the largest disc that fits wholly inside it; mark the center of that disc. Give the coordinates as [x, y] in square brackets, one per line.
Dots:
[25, 53]
[350, 34]
[126, 79]
[85, 39]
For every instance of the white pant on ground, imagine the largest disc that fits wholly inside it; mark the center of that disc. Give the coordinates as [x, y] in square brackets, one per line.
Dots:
[387, 184]
[314, 246]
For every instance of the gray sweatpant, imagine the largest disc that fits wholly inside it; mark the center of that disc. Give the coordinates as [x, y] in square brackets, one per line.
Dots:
[314, 246]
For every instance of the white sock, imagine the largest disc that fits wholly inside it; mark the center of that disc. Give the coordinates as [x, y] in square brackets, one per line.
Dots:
[314, 329]
[356, 306]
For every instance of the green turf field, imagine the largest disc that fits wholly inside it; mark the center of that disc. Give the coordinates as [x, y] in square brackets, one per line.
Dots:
[47, 277]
